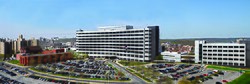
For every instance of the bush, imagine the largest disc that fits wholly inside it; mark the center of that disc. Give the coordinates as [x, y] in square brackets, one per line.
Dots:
[160, 57]
[132, 63]
[14, 61]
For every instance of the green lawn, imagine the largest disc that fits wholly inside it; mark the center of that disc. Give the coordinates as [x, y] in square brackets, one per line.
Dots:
[144, 78]
[15, 62]
[132, 71]
[132, 63]
[243, 79]
[110, 65]
[227, 68]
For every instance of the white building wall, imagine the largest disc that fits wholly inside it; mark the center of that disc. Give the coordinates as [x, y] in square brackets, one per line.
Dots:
[169, 56]
[196, 50]
[229, 54]
[122, 42]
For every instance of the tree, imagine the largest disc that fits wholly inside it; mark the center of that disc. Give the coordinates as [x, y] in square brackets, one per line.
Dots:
[85, 56]
[126, 63]
[52, 69]
[75, 54]
[165, 80]
[184, 81]
[78, 55]
[160, 57]
[82, 75]
[196, 81]
[120, 74]
[191, 53]
[1, 56]
[155, 74]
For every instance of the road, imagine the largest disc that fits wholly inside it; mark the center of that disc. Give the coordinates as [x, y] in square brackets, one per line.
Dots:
[134, 78]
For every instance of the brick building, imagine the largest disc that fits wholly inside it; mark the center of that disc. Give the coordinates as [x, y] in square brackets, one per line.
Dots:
[53, 51]
[27, 60]
[47, 56]
[32, 49]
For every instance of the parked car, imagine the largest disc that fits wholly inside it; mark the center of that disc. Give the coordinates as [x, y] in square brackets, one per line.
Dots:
[224, 81]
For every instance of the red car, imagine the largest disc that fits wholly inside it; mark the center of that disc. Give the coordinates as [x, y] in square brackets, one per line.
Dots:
[205, 74]
[224, 81]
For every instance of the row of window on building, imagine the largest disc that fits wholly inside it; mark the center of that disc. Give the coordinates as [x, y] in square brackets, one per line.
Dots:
[117, 32]
[224, 63]
[114, 35]
[235, 59]
[125, 39]
[112, 45]
[223, 46]
[205, 54]
[223, 50]
[114, 41]
[130, 51]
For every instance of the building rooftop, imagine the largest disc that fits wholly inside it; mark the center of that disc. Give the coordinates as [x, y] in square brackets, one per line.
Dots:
[112, 28]
[30, 55]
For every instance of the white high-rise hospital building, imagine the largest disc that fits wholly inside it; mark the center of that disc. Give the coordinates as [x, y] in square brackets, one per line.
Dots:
[122, 42]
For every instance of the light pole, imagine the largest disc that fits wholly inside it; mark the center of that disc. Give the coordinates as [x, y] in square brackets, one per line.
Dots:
[68, 78]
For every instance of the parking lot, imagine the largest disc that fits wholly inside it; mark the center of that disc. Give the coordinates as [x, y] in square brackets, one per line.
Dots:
[97, 69]
[177, 71]
[7, 77]
[103, 70]
[192, 72]
[228, 76]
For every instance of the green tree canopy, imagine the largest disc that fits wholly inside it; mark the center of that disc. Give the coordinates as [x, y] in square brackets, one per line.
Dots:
[184, 81]
[164, 80]
[160, 57]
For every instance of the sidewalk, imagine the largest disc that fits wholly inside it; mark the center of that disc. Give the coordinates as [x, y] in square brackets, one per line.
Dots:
[16, 65]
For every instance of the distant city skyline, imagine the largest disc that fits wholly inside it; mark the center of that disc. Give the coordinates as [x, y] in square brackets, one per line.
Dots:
[177, 19]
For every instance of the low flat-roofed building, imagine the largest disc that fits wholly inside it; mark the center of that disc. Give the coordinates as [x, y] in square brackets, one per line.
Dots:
[34, 59]
[226, 54]
[171, 56]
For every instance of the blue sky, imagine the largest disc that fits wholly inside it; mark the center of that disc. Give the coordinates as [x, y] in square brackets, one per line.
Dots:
[176, 18]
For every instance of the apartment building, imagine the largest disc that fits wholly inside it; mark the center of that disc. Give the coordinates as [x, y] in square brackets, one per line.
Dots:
[5, 47]
[228, 54]
[8, 46]
[122, 42]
